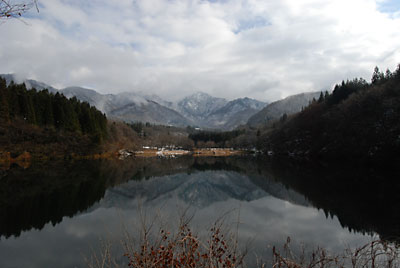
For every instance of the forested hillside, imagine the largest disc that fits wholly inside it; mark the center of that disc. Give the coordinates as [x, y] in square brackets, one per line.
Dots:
[358, 121]
[30, 118]
[46, 109]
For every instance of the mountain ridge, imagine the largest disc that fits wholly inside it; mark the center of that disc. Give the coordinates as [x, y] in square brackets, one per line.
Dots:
[289, 105]
[198, 109]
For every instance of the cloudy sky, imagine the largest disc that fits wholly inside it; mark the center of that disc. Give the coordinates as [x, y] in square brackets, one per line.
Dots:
[229, 48]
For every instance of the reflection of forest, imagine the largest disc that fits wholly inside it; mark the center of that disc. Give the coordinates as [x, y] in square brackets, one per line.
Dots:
[32, 197]
[361, 199]
[43, 193]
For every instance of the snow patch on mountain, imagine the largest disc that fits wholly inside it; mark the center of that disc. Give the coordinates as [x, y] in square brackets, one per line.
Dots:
[199, 106]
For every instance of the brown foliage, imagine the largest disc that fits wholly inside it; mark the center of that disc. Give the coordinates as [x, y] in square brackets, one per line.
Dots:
[17, 137]
[185, 250]
[120, 136]
[375, 254]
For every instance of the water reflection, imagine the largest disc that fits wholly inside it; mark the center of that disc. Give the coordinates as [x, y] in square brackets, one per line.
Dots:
[42, 194]
[60, 211]
[363, 199]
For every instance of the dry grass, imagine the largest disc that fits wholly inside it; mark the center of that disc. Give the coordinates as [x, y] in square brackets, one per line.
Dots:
[158, 247]
[220, 249]
[375, 254]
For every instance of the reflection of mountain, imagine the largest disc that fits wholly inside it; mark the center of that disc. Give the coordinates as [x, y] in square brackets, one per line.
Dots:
[41, 194]
[216, 182]
[199, 189]
[361, 199]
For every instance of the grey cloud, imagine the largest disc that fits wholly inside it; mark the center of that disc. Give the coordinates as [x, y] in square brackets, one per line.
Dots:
[229, 49]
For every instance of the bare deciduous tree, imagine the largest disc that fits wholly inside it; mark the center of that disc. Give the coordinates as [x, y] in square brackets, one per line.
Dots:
[15, 9]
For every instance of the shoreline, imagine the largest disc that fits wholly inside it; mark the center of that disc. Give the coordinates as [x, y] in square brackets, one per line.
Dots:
[25, 159]
[197, 152]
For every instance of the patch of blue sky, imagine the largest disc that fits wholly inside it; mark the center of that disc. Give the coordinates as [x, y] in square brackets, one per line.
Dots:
[389, 6]
[33, 13]
[252, 23]
[127, 46]
[74, 30]
[56, 23]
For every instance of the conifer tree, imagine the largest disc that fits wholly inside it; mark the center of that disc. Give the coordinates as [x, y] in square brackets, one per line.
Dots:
[321, 97]
[4, 110]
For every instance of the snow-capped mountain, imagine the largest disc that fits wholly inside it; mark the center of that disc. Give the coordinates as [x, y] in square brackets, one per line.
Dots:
[30, 83]
[275, 110]
[129, 107]
[104, 103]
[210, 112]
[149, 111]
[234, 113]
[199, 109]
[199, 106]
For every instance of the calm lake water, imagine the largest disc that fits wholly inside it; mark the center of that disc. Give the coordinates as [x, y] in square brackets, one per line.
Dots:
[58, 214]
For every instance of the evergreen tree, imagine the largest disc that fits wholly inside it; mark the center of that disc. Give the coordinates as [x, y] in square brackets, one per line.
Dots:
[326, 95]
[59, 115]
[48, 115]
[45, 109]
[377, 76]
[4, 110]
[321, 97]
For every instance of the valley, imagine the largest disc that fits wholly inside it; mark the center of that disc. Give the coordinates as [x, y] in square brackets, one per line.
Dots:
[303, 125]
[197, 110]
[199, 134]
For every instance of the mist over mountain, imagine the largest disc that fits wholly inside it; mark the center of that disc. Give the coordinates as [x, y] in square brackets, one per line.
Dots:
[30, 83]
[130, 107]
[199, 109]
[218, 113]
[234, 113]
[199, 106]
[104, 103]
[151, 112]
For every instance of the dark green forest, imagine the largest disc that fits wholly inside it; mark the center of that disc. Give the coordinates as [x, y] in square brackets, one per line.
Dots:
[45, 109]
[358, 121]
[219, 138]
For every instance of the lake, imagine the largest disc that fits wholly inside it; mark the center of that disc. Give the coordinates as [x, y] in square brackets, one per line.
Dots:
[59, 214]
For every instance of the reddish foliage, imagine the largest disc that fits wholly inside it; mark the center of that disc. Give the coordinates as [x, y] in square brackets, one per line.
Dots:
[186, 250]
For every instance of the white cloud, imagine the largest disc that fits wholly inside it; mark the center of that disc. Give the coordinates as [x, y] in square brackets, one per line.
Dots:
[261, 49]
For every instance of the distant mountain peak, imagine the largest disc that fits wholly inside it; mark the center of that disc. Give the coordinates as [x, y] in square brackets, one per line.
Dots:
[235, 113]
[199, 105]
[200, 94]
[198, 109]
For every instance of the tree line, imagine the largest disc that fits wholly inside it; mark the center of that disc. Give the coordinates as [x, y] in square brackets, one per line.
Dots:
[46, 109]
[219, 138]
[358, 121]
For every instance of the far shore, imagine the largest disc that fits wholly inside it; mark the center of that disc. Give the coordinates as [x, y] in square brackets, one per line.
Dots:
[24, 160]
[197, 152]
